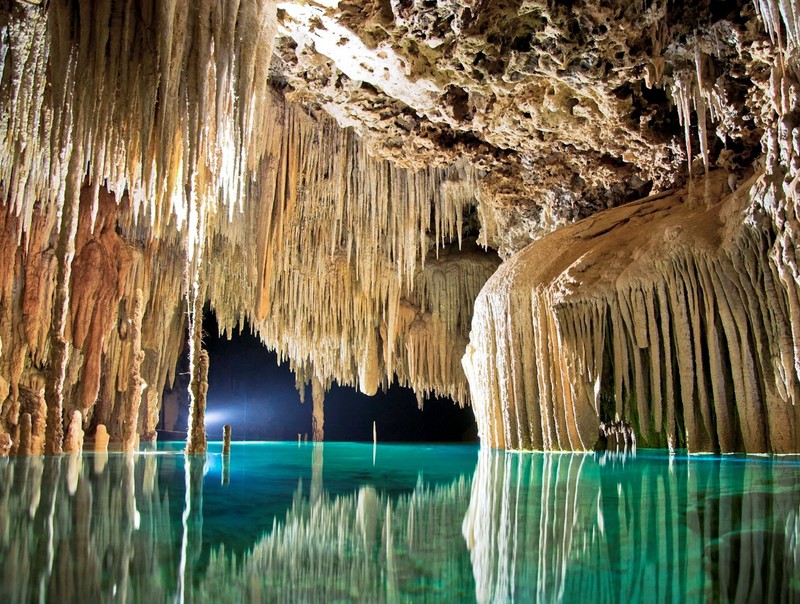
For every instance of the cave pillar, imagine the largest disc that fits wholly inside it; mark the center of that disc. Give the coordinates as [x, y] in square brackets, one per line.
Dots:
[133, 394]
[59, 348]
[197, 440]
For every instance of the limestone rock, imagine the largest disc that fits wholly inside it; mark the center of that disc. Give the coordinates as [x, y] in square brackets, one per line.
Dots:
[663, 312]
[73, 440]
[101, 439]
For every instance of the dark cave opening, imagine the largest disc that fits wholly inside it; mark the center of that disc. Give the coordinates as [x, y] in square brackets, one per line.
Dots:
[256, 395]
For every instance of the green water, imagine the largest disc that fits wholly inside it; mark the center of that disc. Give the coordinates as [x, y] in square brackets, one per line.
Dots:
[282, 522]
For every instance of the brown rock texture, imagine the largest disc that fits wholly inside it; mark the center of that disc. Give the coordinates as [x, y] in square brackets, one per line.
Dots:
[318, 412]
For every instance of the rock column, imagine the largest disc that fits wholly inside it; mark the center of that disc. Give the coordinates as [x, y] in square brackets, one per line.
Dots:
[133, 395]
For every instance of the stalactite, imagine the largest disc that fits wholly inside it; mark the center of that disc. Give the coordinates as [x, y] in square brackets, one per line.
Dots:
[84, 81]
[318, 413]
[714, 373]
[133, 393]
[346, 308]
[292, 222]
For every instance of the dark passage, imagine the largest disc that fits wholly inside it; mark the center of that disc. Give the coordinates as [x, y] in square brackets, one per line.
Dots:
[250, 391]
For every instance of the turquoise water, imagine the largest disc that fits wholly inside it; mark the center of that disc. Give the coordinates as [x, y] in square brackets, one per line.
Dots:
[341, 522]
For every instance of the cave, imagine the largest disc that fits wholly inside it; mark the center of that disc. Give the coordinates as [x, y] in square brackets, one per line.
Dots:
[395, 300]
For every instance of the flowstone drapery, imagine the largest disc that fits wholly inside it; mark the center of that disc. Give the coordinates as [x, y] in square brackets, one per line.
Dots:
[667, 312]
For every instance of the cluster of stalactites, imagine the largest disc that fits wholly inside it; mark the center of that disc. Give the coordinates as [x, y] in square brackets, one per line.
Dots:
[344, 263]
[160, 99]
[157, 106]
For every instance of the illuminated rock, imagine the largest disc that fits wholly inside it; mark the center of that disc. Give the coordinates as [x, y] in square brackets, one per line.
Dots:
[665, 312]
[164, 151]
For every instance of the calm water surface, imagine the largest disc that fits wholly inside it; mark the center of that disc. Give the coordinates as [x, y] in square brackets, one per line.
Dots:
[340, 522]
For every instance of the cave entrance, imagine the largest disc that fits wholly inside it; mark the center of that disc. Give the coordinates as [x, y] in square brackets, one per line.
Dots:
[249, 390]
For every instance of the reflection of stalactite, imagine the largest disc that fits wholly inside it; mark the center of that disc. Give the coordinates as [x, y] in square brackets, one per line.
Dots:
[556, 527]
[387, 541]
[76, 540]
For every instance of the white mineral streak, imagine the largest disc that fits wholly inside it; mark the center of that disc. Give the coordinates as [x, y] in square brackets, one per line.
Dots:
[661, 312]
[313, 26]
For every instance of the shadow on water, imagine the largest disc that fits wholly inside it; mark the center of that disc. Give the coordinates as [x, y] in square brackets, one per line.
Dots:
[345, 522]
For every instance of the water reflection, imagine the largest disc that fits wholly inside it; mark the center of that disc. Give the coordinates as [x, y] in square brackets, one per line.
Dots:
[610, 528]
[325, 524]
[69, 531]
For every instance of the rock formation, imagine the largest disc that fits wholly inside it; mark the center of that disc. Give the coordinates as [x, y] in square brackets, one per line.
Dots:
[346, 193]
[664, 311]
[318, 412]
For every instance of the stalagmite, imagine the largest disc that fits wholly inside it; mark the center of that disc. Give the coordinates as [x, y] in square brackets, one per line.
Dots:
[25, 440]
[5, 444]
[133, 394]
[318, 413]
[101, 439]
[151, 417]
[197, 441]
[38, 429]
[73, 440]
[226, 439]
